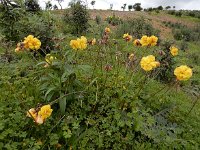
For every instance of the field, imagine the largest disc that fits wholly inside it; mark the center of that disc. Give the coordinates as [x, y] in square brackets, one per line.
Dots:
[97, 87]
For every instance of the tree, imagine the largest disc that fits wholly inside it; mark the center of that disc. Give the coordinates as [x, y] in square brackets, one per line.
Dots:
[137, 7]
[111, 6]
[77, 17]
[124, 7]
[32, 5]
[48, 5]
[174, 7]
[59, 2]
[93, 3]
[159, 8]
[168, 7]
[130, 7]
[55, 7]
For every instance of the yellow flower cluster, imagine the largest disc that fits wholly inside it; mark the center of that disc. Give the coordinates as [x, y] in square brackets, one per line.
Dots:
[127, 37]
[148, 63]
[173, 51]
[79, 43]
[183, 73]
[30, 42]
[49, 58]
[107, 30]
[149, 41]
[40, 116]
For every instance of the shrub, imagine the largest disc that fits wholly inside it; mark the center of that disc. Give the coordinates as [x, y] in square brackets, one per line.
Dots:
[178, 13]
[165, 73]
[114, 20]
[9, 16]
[32, 6]
[171, 12]
[17, 23]
[184, 45]
[42, 26]
[137, 28]
[77, 17]
[98, 19]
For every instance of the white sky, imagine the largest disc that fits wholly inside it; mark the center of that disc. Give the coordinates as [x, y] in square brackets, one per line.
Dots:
[105, 4]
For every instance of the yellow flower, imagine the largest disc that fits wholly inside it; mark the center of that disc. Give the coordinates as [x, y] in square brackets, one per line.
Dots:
[45, 111]
[152, 40]
[183, 72]
[144, 40]
[93, 41]
[31, 43]
[36, 43]
[131, 57]
[82, 43]
[49, 59]
[173, 51]
[137, 42]
[74, 44]
[127, 37]
[148, 63]
[107, 30]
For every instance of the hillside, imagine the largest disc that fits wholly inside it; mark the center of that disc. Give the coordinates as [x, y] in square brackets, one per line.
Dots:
[120, 80]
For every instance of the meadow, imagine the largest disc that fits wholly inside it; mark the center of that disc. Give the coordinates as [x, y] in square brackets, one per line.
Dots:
[96, 80]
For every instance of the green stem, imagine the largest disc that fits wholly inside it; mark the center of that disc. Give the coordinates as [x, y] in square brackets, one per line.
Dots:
[194, 104]
[141, 86]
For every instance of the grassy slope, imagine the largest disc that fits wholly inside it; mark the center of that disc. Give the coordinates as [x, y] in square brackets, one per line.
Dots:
[183, 101]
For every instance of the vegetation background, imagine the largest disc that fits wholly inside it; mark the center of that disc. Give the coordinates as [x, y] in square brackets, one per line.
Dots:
[100, 99]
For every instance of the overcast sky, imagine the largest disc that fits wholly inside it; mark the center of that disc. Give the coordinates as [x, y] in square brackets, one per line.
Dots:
[105, 4]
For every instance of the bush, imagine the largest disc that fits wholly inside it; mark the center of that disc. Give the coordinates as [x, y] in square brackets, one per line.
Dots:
[77, 17]
[42, 26]
[184, 45]
[98, 19]
[9, 16]
[178, 13]
[137, 28]
[32, 6]
[114, 20]
[171, 12]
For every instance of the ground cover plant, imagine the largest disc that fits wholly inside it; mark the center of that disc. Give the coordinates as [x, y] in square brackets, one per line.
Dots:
[110, 87]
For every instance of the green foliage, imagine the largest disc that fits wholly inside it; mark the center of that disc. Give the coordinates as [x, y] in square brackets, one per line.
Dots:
[17, 23]
[77, 17]
[8, 18]
[165, 71]
[136, 27]
[32, 6]
[183, 32]
[98, 19]
[94, 107]
[114, 20]
[137, 7]
[42, 26]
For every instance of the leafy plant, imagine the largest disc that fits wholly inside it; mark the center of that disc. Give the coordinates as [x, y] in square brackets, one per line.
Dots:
[136, 27]
[77, 17]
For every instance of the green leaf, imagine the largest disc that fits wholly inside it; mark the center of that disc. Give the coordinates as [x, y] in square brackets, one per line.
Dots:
[41, 63]
[62, 103]
[49, 90]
